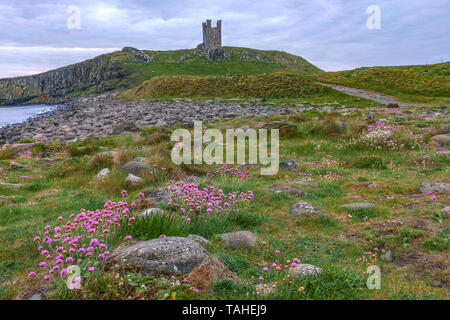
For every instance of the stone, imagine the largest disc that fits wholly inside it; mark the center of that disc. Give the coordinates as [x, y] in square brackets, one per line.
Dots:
[387, 256]
[393, 105]
[358, 206]
[303, 208]
[152, 211]
[265, 288]
[378, 135]
[292, 191]
[140, 159]
[436, 283]
[170, 255]
[36, 296]
[197, 238]
[163, 195]
[303, 270]
[370, 117]
[103, 173]
[11, 185]
[289, 164]
[19, 147]
[239, 239]
[445, 129]
[446, 210]
[443, 139]
[283, 126]
[137, 168]
[16, 165]
[435, 187]
[125, 127]
[342, 125]
[132, 179]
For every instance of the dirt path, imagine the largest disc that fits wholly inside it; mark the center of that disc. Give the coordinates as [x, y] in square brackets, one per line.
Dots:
[371, 95]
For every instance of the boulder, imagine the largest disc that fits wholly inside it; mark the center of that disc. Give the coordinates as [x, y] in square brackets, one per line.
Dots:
[239, 239]
[303, 270]
[377, 136]
[19, 147]
[103, 173]
[163, 195]
[303, 208]
[358, 206]
[446, 210]
[132, 179]
[443, 139]
[171, 255]
[288, 190]
[289, 164]
[11, 185]
[445, 129]
[283, 126]
[137, 168]
[438, 187]
[197, 238]
[125, 127]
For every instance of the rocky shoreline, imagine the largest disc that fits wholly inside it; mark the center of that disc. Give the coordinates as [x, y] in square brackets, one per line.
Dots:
[104, 115]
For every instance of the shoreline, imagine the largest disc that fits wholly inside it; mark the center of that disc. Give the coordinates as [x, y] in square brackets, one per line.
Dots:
[104, 115]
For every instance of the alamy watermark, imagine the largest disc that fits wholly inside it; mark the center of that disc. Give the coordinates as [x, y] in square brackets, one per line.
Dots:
[374, 280]
[209, 146]
[74, 19]
[374, 20]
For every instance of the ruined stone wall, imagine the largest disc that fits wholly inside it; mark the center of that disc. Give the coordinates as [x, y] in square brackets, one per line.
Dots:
[212, 36]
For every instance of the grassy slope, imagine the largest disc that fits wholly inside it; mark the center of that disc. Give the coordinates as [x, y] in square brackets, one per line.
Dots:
[238, 61]
[423, 83]
[337, 243]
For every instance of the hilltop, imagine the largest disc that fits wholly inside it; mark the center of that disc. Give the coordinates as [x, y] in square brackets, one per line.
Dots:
[128, 68]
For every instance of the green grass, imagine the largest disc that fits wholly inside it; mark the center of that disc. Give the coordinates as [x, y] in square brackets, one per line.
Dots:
[420, 84]
[403, 221]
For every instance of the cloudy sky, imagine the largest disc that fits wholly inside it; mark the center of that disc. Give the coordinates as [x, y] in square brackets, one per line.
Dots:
[38, 35]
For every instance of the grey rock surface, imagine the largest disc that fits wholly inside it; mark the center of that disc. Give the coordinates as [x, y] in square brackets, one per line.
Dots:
[303, 208]
[239, 239]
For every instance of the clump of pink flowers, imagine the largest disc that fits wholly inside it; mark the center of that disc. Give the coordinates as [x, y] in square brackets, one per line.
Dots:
[226, 172]
[82, 239]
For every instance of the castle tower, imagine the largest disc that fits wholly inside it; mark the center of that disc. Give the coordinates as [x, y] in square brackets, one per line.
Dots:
[212, 36]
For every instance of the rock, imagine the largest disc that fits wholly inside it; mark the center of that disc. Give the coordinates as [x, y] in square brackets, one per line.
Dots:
[197, 238]
[103, 173]
[290, 164]
[132, 179]
[358, 206]
[289, 190]
[161, 124]
[36, 296]
[163, 195]
[239, 239]
[438, 187]
[125, 127]
[387, 256]
[302, 270]
[129, 49]
[443, 139]
[16, 165]
[140, 159]
[137, 168]
[436, 283]
[370, 117]
[172, 255]
[393, 105]
[152, 211]
[19, 147]
[446, 210]
[283, 126]
[303, 208]
[342, 125]
[445, 129]
[377, 136]
[11, 185]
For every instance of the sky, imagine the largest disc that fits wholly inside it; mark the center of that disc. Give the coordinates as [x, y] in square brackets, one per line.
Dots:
[39, 35]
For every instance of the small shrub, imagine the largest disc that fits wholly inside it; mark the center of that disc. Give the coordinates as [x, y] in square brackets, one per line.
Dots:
[369, 162]
[100, 161]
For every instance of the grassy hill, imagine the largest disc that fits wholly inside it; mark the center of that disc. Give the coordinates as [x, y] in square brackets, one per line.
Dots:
[237, 62]
[422, 83]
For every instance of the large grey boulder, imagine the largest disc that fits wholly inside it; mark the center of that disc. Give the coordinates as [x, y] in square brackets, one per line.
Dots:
[303, 270]
[445, 129]
[358, 206]
[303, 208]
[439, 187]
[239, 239]
[172, 255]
[379, 136]
[443, 139]
[136, 168]
[289, 164]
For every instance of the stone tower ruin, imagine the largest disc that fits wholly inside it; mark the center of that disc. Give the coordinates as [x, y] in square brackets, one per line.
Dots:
[212, 40]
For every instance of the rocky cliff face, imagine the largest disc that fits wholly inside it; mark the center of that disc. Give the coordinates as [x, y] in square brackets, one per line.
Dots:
[60, 82]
